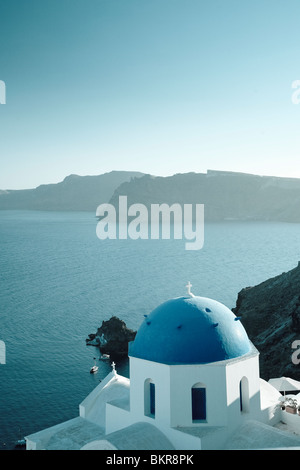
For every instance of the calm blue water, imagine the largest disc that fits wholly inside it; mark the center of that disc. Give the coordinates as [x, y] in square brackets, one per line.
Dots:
[58, 282]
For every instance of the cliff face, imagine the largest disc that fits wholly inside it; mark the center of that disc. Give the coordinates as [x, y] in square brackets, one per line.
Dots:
[74, 193]
[270, 314]
[112, 337]
[226, 195]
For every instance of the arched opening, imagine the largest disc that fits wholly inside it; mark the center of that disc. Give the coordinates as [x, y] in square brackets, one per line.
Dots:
[149, 398]
[244, 395]
[198, 402]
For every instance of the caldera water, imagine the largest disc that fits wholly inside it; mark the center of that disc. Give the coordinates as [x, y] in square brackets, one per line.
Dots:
[58, 282]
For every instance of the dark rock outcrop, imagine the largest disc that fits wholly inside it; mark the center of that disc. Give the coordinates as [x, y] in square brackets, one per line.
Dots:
[112, 337]
[270, 313]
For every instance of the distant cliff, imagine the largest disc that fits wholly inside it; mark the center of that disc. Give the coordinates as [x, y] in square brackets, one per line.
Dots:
[226, 195]
[74, 193]
[270, 313]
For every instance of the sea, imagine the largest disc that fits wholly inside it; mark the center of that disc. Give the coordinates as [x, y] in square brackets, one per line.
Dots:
[59, 281]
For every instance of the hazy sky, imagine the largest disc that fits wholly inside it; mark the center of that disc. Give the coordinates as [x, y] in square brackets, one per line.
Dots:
[159, 86]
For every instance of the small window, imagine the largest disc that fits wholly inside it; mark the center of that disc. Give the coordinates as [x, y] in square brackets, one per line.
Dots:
[149, 398]
[244, 395]
[198, 403]
[152, 398]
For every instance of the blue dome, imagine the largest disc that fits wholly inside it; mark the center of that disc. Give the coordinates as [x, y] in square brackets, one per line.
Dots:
[190, 330]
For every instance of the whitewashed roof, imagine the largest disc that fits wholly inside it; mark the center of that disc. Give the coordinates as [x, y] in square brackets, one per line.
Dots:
[138, 436]
[254, 435]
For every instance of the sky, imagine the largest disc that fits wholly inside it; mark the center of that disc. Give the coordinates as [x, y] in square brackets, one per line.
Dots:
[157, 86]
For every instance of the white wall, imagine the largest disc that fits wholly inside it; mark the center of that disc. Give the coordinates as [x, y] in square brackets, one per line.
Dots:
[183, 378]
[235, 371]
[117, 418]
[173, 396]
[173, 385]
[141, 370]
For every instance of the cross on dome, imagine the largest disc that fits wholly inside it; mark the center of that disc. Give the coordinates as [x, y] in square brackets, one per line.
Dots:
[113, 367]
[188, 286]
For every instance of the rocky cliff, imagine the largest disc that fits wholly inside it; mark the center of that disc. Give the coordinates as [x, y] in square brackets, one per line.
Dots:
[74, 193]
[226, 195]
[112, 337]
[270, 312]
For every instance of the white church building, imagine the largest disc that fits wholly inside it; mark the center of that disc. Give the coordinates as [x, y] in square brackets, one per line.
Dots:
[194, 384]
